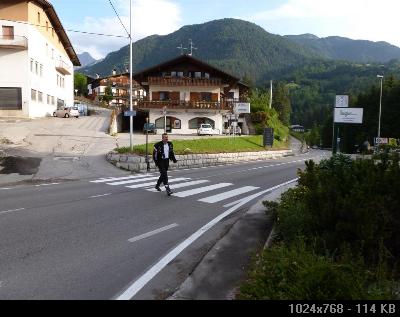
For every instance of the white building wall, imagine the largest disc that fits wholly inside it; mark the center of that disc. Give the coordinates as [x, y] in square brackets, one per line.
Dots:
[15, 71]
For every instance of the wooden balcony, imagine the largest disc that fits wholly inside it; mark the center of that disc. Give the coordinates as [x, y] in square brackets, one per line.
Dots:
[13, 42]
[63, 68]
[178, 104]
[184, 81]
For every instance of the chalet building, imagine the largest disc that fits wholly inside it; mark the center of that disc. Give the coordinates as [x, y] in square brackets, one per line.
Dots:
[189, 92]
[36, 60]
[120, 85]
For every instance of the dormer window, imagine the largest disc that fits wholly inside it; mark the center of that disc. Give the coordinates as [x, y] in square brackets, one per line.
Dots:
[180, 74]
[173, 74]
[197, 75]
[207, 75]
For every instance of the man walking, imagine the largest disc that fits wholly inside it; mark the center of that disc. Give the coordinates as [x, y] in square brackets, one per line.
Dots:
[162, 153]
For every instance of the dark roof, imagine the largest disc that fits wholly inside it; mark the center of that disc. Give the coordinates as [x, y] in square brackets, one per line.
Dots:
[139, 76]
[58, 27]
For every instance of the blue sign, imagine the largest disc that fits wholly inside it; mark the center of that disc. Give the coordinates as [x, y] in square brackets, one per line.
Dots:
[130, 113]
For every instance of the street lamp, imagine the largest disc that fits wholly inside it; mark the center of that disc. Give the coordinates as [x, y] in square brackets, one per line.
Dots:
[380, 111]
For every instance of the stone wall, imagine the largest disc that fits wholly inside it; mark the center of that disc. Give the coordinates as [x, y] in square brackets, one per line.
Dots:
[137, 163]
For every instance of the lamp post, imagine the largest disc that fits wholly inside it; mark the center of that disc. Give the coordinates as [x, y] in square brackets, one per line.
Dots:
[147, 144]
[130, 77]
[380, 111]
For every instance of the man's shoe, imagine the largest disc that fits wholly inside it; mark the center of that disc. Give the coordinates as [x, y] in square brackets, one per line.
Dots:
[157, 188]
[169, 191]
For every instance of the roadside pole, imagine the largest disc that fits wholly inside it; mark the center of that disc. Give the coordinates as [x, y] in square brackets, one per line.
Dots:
[130, 79]
[147, 144]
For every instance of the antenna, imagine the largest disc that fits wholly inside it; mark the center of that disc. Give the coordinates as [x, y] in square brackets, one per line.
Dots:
[182, 48]
[191, 47]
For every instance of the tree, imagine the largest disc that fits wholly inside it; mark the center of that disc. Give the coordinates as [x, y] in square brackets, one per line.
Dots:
[281, 103]
[108, 95]
[80, 84]
[259, 100]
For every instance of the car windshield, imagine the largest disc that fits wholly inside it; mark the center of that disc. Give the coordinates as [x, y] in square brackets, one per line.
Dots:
[206, 126]
[149, 125]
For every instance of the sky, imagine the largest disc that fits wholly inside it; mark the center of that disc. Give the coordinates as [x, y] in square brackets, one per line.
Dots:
[374, 20]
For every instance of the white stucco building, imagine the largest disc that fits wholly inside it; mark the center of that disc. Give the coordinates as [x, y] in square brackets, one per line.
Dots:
[36, 60]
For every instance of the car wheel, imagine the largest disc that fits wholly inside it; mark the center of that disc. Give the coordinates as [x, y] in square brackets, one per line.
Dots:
[54, 114]
[66, 115]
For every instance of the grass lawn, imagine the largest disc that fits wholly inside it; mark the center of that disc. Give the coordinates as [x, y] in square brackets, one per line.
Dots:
[213, 145]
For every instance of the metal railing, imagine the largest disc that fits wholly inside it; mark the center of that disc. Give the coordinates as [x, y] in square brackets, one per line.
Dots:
[184, 81]
[63, 68]
[13, 41]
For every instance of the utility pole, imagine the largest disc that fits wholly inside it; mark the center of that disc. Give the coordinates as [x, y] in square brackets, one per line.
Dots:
[130, 79]
[270, 99]
[191, 47]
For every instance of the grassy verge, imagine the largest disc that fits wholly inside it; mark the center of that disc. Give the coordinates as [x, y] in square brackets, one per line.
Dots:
[212, 145]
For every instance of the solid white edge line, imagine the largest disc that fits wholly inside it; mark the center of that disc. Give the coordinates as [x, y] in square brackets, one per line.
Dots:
[8, 211]
[152, 233]
[103, 195]
[133, 289]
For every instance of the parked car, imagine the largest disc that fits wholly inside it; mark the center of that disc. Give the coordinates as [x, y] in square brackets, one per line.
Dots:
[205, 129]
[67, 112]
[150, 128]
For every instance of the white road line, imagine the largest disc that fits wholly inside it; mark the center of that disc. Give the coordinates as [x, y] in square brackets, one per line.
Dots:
[153, 183]
[229, 194]
[4, 188]
[133, 289]
[47, 184]
[200, 190]
[100, 195]
[8, 211]
[152, 233]
[120, 178]
[133, 181]
[187, 184]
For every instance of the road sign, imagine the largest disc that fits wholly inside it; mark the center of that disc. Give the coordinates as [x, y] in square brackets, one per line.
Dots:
[381, 141]
[342, 101]
[349, 115]
[242, 107]
[130, 113]
[268, 137]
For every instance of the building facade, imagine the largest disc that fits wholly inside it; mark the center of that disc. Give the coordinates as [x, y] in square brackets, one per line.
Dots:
[185, 92]
[36, 60]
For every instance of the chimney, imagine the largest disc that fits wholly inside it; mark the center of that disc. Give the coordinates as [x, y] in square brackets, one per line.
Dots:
[114, 72]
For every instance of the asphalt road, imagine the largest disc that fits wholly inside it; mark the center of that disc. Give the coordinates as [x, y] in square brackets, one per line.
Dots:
[99, 239]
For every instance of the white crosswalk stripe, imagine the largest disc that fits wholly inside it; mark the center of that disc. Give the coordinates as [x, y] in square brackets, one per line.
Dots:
[153, 183]
[200, 190]
[229, 194]
[187, 184]
[131, 181]
[105, 180]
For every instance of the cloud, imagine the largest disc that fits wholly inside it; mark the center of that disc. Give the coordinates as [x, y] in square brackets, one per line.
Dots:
[358, 19]
[148, 17]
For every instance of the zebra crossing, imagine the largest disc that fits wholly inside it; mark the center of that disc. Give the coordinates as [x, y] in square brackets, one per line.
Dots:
[181, 186]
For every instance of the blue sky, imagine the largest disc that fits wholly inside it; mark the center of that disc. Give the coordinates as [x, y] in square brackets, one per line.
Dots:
[357, 19]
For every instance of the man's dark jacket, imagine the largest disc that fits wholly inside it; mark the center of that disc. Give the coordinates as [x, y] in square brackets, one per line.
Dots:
[158, 152]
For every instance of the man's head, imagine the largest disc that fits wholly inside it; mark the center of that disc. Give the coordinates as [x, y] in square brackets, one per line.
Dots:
[165, 137]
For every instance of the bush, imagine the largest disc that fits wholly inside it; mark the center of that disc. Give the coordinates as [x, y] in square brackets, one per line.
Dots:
[298, 273]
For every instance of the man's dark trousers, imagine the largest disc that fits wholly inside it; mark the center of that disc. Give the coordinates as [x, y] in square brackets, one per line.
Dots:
[163, 165]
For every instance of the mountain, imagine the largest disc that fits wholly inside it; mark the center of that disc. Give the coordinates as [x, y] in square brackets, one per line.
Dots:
[341, 48]
[238, 47]
[86, 59]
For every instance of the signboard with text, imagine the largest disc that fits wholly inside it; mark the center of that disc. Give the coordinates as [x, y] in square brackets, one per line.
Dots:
[130, 113]
[242, 107]
[349, 115]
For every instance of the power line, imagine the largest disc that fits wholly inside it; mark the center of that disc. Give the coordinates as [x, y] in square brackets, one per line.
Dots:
[129, 35]
[68, 30]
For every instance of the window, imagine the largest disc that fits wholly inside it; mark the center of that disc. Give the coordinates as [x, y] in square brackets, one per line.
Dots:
[40, 96]
[47, 49]
[206, 96]
[53, 102]
[197, 74]
[47, 26]
[207, 75]
[60, 103]
[180, 74]
[38, 17]
[52, 32]
[173, 74]
[10, 98]
[8, 32]
[48, 99]
[37, 68]
[41, 70]
[32, 65]
[52, 53]
[33, 94]
[164, 95]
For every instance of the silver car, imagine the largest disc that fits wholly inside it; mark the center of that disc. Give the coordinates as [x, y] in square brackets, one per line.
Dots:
[66, 112]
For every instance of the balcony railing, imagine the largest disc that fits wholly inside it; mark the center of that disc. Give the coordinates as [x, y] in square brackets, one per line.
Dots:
[13, 42]
[178, 104]
[63, 68]
[184, 81]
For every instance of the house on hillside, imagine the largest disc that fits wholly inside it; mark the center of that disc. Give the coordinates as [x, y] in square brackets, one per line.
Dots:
[36, 60]
[189, 92]
[120, 85]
